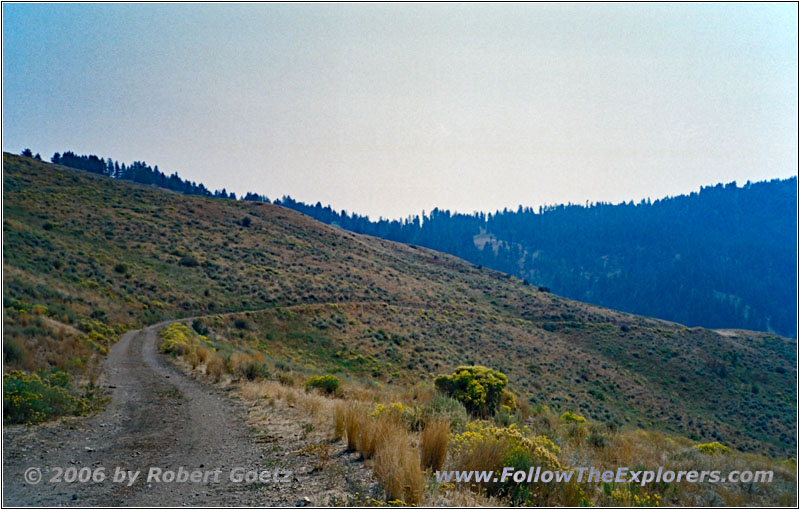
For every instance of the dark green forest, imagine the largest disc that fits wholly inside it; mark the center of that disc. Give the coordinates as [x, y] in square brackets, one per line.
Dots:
[723, 257]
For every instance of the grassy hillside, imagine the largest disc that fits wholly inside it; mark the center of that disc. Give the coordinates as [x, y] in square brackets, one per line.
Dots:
[86, 257]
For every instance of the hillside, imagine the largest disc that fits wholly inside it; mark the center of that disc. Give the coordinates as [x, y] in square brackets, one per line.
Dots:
[721, 258]
[86, 257]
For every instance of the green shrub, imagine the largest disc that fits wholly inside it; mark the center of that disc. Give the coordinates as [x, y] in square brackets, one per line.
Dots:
[597, 394]
[570, 417]
[189, 261]
[30, 398]
[178, 339]
[198, 326]
[58, 379]
[508, 400]
[328, 383]
[503, 417]
[478, 388]
[714, 448]
[13, 351]
[97, 334]
[253, 370]
[597, 440]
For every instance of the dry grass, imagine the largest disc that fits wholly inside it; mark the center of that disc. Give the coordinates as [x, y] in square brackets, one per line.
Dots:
[254, 391]
[215, 367]
[419, 393]
[290, 379]
[354, 418]
[192, 359]
[384, 439]
[397, 467]
[435, 439]
[239, 360]
[462, 497]
[339, 415]
[651, 448]
[488, 454]
[202, 354]
[315, 405]
[373, 432]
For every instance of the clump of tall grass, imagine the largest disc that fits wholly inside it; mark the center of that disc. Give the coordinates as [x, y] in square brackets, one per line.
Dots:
[397, 466]
[215, 367]
[354, 419]
[380, 433]
[434, 442]
[339, 414]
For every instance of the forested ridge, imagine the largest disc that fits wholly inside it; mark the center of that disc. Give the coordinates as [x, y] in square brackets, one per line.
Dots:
[723, 257]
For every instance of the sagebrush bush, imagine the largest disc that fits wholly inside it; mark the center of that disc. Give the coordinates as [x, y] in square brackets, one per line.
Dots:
[597, 440]
[448, 408]
[189, 261]
[478, 388]
[30, 398]
[199, 327]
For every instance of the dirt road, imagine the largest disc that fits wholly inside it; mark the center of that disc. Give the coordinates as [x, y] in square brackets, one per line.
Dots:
[157, 418]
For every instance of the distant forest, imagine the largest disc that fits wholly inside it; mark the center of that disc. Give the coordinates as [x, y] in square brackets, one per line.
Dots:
[724, 257]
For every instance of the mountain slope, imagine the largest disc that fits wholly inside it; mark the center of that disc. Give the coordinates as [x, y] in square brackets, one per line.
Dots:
[84, 254]
[723, 257]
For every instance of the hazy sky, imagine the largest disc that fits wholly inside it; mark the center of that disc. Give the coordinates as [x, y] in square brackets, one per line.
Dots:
[394, 108]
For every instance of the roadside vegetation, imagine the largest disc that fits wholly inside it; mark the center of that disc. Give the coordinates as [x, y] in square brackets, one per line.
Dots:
[474, 419]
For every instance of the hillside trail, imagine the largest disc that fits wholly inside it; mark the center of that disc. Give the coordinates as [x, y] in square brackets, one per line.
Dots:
[159, 417]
